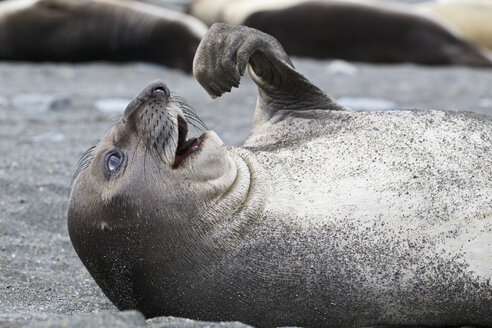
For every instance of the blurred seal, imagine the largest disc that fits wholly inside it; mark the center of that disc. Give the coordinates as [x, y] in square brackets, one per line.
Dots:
[362, 31]
[86, 30]
[471, 18]
[325, 217]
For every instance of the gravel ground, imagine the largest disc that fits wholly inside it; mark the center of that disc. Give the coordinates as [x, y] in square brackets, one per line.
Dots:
[49, 114]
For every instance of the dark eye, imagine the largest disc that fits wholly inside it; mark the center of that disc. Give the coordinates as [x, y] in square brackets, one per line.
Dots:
[113, 161]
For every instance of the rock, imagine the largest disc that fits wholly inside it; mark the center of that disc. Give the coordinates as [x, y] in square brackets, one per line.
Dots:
[40, 102]
[48, 137]
[102, 319]
[485, 103]
[130, 319]
[360, 104]
[112, 105]
[170, 322]
[342, 67]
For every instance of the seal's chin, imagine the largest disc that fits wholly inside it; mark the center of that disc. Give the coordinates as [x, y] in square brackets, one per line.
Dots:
[185, 147]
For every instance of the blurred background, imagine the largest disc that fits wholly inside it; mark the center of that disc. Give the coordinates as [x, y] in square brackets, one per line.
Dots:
[51, 112]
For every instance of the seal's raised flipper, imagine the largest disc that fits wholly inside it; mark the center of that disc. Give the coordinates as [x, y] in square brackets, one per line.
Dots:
[223, 55]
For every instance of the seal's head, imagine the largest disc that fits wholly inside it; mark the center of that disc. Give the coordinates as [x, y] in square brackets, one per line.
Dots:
[142, 189]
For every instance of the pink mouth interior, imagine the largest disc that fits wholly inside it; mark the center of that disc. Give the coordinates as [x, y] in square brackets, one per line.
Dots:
[184, 151]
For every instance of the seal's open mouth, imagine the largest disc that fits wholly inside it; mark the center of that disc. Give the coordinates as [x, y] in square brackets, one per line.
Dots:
[185, 147]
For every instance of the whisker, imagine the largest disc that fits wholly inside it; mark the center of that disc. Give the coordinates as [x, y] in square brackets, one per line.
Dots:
[193, 124]
[84, 161]
[116, 120]
[189, 113]
[196, 120]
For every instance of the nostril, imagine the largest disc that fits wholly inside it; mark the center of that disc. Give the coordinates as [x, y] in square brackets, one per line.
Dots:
[160, 88]
[155, 91]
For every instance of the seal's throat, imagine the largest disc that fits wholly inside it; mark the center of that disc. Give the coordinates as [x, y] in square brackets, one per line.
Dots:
[239, 208]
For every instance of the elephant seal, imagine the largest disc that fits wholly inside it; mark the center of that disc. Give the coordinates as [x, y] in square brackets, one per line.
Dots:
[471, 18]
[364, 31]
[87, 30]
[325, 217]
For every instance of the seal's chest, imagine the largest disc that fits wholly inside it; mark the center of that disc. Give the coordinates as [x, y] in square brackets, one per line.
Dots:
[383, 167]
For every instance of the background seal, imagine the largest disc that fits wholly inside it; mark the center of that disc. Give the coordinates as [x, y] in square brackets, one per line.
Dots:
[364, 31]
[75, 31]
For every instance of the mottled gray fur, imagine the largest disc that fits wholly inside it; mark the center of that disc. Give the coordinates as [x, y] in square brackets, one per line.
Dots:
[325, 218]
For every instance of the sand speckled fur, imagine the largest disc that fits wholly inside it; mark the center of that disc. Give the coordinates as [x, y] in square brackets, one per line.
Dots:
[325, 218]
[385, 210]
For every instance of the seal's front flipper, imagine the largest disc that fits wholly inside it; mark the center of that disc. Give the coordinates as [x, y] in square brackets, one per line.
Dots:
[223, 55]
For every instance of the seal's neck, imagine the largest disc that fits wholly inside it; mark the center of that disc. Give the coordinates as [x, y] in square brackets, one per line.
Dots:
[241, 205]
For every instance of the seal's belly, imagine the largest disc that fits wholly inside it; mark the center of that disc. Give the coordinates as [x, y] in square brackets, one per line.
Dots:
[416, 186]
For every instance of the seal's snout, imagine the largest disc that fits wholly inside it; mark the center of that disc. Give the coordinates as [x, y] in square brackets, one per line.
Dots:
[161, 90]
[156, 91]
[160, 120]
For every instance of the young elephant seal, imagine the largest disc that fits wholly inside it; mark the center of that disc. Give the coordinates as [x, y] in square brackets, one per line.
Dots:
[356, 30]
[471, 18]
[85, 30]
[325, 217]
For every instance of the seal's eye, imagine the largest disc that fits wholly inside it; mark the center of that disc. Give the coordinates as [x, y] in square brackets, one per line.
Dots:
[113, 161]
